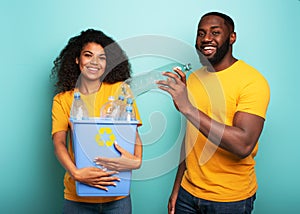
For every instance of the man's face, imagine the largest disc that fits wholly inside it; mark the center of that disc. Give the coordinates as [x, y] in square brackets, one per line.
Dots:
[213, 39]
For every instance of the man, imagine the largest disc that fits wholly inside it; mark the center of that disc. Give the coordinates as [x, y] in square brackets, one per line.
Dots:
[225, 104]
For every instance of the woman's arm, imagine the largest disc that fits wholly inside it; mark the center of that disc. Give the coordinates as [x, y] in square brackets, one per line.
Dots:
[92, 176]
[126, 161]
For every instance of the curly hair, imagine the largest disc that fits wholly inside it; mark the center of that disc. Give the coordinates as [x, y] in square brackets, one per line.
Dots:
[66, 71]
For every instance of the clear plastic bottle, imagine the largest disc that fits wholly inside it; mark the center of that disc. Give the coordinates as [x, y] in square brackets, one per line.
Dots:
[78, 110]
[146, 81]
[119, 108]
[128, 113]
[169, 67]
[108, 109]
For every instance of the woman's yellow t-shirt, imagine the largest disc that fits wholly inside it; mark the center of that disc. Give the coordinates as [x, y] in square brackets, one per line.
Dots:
[61, 107]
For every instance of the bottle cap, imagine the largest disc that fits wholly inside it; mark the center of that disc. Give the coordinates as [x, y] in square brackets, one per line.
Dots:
[121, 97]
[129, 108]
[187, 67]
[129, 100]
[77, 95]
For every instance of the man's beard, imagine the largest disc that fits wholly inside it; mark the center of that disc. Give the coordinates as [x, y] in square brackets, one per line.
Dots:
[219, 55]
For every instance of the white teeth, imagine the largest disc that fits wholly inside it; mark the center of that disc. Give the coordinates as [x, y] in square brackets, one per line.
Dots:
[208, 48]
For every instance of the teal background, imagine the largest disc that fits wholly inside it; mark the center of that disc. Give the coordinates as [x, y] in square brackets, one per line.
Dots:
[32, 34]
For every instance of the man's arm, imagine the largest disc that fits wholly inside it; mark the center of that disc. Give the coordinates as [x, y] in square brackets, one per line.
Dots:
[239, 139]
[180, 171]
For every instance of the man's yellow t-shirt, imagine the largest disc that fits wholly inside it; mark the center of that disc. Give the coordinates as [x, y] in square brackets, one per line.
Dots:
[213, 173]
[61, 107]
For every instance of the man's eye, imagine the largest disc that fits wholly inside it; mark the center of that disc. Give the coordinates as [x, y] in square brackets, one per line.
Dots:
[215, 33]
[201, 34]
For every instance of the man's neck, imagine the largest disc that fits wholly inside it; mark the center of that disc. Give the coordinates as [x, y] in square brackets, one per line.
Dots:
[224, 64]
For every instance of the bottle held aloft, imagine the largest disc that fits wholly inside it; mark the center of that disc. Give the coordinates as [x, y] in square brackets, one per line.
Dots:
[146, 81]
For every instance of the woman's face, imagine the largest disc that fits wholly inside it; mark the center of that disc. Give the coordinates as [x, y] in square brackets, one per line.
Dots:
[92, 61]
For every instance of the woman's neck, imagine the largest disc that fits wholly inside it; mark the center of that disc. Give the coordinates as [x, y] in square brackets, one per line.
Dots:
[89, 87]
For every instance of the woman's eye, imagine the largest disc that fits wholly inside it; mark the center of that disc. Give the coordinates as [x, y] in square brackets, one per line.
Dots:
[87, 55]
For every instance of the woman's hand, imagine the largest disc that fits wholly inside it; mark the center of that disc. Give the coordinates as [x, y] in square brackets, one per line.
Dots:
[96, 177]
[125, 162]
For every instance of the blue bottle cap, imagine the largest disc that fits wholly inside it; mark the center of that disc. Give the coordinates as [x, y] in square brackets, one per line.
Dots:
[77, 95]
[129, 100]
[129, 108]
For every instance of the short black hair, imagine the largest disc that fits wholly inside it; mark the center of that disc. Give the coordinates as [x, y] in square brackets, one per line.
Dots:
[227, 19]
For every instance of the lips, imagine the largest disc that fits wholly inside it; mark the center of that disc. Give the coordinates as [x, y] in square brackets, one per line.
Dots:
[93, 69]
[208, 50]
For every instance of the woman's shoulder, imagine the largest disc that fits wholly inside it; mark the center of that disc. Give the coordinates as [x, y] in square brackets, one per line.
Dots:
[66, 95]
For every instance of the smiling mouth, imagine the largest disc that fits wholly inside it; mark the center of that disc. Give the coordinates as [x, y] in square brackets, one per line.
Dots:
[93, 69]
[208, 50]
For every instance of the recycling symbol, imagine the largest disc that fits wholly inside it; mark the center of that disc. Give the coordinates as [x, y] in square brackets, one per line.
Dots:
[105, 137]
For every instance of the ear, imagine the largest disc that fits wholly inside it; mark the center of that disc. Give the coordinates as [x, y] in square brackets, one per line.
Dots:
[232, 38]
[77, 61]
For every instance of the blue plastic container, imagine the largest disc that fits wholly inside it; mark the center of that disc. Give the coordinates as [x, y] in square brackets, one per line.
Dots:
[95, 137]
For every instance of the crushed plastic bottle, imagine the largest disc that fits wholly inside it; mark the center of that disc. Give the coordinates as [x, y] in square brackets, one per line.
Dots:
[146, 81]
[107, 111]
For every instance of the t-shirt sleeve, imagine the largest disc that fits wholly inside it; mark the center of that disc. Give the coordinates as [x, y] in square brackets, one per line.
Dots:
[255, 97]
[60, 118]
[137, 114]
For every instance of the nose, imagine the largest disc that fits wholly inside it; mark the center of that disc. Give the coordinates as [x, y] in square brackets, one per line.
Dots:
[94, 60]
[207, 38]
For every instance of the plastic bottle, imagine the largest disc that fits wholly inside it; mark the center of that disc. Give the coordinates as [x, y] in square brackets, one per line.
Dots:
[78, 110]
[128, 113]
[108, 109]
[119, 108]
[169, 67]
[146, 81]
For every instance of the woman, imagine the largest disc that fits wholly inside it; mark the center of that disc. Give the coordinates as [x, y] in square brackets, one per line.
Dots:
[93, 64]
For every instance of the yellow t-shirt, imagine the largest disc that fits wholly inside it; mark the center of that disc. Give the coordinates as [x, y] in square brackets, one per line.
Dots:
[213, 173]
[60, 122]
